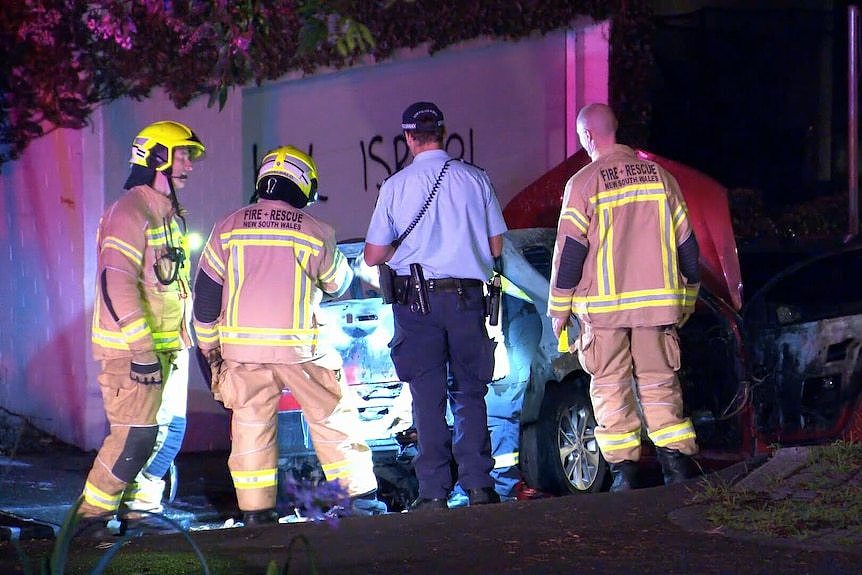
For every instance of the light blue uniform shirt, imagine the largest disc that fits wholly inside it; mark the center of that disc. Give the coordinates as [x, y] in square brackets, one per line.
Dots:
[451, 238]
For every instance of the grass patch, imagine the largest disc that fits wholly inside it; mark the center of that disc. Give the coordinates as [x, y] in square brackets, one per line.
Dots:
[154, 563]
[822, 500]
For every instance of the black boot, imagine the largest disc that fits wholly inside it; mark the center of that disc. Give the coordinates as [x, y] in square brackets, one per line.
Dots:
[675, 465]
[262, 517]
[625, 474]
[482, 496]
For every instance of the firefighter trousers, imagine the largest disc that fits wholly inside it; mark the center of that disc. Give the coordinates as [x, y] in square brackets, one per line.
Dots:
[131, 409]
[252, 392]
[635, 368]
[146, 491]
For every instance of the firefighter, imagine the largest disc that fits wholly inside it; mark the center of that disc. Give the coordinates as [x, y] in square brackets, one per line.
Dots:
[140, 329]
[626, 266]
[261, 278]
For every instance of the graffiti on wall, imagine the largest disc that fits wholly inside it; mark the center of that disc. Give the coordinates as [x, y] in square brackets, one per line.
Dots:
[375, 153]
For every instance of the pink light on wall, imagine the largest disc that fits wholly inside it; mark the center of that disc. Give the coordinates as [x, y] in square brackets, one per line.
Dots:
[587, 74]
[43, 308]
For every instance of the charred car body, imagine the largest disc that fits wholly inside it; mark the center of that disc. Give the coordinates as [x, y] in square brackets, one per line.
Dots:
[784, 369]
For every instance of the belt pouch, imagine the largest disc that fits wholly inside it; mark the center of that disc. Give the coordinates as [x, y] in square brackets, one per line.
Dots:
[387, 283]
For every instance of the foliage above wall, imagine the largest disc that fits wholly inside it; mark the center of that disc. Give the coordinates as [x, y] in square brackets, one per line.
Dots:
[62, 58]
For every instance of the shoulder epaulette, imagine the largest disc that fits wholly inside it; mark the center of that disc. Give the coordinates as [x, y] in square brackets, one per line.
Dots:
[470, 164]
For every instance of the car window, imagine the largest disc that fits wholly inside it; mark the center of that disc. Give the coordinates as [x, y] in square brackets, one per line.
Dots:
[539, 257]
[822, 288]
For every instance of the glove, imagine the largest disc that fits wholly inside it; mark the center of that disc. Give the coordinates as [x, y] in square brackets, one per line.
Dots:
[216, 372]
[214, 359]
[146, 370]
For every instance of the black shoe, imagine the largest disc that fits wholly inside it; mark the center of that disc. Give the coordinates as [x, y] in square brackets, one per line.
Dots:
[625, 474]
[422, 504]
[482, 496]
[262, 517]
[675, 465]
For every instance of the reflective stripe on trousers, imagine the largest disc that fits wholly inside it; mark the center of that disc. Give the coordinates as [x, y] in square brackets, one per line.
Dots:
[644, 360]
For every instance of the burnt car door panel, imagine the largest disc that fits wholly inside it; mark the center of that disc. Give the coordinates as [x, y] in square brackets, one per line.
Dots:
[804, 329]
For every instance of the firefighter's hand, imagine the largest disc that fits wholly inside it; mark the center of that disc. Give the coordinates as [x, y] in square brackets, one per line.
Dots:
[214, 358]
[558, 324]
[146, 369]
[684, 318]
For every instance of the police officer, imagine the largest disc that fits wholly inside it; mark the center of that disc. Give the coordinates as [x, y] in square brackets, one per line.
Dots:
[438, 225]
[262, 275]
[626, 265]
[142, 268]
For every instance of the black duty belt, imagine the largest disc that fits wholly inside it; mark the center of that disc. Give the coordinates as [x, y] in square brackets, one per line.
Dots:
[441, 284]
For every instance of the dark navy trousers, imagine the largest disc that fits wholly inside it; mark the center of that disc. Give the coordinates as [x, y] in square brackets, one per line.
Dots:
[451, 340]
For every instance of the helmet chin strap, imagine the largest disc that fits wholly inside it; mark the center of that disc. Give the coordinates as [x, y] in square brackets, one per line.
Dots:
[178, 209]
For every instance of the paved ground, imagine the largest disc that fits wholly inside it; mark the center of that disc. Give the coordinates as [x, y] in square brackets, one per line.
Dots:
[655, 530]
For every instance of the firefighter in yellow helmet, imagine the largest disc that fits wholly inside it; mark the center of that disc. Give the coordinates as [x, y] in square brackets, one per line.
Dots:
[140, 329]
[261, 278]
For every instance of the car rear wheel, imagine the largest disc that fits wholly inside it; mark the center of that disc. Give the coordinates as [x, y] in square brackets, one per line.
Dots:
[559, 453]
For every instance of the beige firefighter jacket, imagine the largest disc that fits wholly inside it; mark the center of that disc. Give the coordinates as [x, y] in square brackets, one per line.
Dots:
[134, 313]
[274, 262]
[631, 216]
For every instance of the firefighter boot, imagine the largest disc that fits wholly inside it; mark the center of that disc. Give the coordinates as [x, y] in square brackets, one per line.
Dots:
[625, 474]
[675, 465]
[257, 518]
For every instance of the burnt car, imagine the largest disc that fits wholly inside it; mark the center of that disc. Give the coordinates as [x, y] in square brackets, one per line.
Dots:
[783, 369]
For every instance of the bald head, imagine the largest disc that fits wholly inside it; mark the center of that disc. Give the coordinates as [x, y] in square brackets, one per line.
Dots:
[597, 128]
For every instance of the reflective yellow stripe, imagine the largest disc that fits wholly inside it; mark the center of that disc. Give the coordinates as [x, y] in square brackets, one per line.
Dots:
[115, 339]
[669, 275]
[207, 333]
[605, 254]
[337, 470]
[618, 441]
[213, 260]
[513, 290]
[337, 262]
[673, 433]
[109, 339]
[114, 243]
[605, 203]
[633, 299]
[304, 245]
[98, 498]
[302, 289]
[268, 336]
[576, 218]
[254, 479]
[136, 330]
[506, 460]
[560, 303]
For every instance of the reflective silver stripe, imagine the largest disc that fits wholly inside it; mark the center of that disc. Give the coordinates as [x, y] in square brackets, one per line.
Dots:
[506, 460]
[673, 433]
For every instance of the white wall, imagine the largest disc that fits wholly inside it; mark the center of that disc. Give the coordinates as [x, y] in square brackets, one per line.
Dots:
[43, 304]
[512, 104]
[504, 104]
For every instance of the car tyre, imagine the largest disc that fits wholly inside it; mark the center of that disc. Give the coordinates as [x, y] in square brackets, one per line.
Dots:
[559, 454]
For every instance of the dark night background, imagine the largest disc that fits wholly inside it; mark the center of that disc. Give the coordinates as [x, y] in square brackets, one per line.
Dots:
[754, 94]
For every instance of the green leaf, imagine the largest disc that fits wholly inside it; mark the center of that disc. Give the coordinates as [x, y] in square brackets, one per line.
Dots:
[222, 97]
[312, 34]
